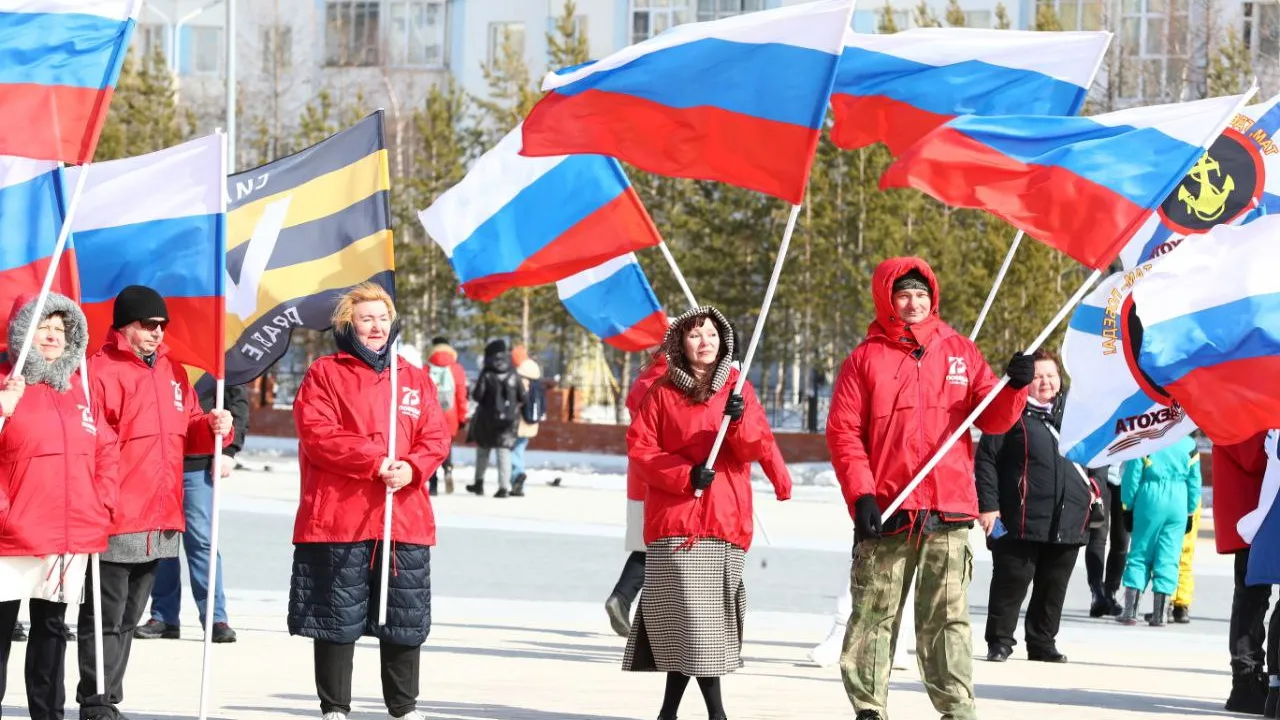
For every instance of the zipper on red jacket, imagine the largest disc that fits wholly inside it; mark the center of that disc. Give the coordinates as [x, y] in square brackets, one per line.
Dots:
[66, 489]
[920, 415]
[164, 445]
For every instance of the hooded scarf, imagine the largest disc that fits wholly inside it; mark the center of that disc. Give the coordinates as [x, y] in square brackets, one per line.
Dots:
[56, 374]
[673, 346]
[378, 360]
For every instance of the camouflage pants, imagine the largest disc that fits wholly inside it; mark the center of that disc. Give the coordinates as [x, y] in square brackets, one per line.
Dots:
[942, 566]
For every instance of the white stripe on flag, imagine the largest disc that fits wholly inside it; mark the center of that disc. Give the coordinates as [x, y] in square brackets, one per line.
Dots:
[575, 284]
[1183, 121]
[16, 170]
[113, 9]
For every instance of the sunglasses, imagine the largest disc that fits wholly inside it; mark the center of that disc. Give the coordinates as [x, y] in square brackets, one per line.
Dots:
[153, 325]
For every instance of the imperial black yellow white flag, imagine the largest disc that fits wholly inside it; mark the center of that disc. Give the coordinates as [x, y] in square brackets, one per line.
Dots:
[300, 232]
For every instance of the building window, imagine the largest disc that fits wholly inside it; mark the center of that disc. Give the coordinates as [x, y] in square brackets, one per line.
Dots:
[977, 18]
[717, 9]
[277, 48]
[150, 41]
[352, 33]
[502, 32]
[1079, 14]
[651, 17]
[206, 50]
[416, 34]
[1261, 32]
[1154, 43]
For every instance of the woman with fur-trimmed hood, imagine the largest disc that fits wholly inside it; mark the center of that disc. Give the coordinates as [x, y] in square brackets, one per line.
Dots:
[689, 623]
[57, 488]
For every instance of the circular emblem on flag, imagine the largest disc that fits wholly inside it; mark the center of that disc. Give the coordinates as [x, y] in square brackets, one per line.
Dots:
[1223, 184]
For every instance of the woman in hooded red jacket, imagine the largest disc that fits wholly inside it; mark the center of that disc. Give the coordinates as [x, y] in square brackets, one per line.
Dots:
[57, 491]
[342, 418]
[690, 619]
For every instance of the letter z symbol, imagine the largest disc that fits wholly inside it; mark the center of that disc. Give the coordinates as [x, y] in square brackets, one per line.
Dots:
[242, 296]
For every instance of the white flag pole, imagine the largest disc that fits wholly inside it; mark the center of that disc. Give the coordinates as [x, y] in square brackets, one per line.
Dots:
[210, 601]
[386, 509]
[675, 269]
[95, 559]
[991, 396]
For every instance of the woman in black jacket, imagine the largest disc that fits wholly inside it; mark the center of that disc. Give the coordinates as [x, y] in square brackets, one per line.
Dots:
[1043, 502]
[498, 393]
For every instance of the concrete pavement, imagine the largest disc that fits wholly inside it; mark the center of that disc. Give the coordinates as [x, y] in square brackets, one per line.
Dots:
[520, 632]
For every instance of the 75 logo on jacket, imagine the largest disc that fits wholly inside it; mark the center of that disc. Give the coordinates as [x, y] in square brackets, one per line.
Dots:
[411, 402]
[177, 395]
[957, 371]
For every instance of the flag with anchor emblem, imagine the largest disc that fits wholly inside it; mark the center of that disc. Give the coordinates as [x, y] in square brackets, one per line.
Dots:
[301, 231]
[1235, 182]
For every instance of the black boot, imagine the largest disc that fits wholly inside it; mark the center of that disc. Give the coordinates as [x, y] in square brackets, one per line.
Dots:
[1270, 708]
[1181, 614]
[1248, 694]
[619, 612]
[1130, 614]
[1114, 608]
[477, 488]
[1159, 606]
[517, 485]
[1099, 607]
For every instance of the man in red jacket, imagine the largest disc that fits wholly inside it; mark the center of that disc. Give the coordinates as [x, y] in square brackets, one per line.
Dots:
[148, 402]
[898, 396]
[1237, 482]
[451, 387]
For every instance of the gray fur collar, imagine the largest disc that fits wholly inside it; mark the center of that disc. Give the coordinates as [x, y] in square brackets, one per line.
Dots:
[683, 380]
[56, 374]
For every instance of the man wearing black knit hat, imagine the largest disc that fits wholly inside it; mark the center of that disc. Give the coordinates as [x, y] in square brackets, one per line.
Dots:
[149, 404]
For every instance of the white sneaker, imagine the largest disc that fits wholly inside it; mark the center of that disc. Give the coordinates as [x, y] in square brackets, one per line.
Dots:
[415, 715]
[334, 716]
[827, 653]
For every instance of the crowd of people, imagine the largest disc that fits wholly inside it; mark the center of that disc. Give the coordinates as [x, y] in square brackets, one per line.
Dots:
[134, 471]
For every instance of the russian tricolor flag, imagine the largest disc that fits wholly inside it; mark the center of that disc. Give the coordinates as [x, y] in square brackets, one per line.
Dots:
[740, 100]
[59, 62]
[158, 220]
[1083, 185]
[1210, 316]
[522, 222]
[895, 88]
[31, 212]
[616, 303]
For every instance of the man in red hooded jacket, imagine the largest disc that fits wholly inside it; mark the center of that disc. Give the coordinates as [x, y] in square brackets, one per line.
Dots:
[906, 388]
[149, 404]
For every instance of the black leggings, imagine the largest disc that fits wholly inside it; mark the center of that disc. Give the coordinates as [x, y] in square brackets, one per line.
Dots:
[676, 684]
[46, 655]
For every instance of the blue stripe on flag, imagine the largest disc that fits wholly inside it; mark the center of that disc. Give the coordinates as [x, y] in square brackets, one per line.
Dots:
[72, 49]
[178, 257]
[1240, 330]
[615, 304]
[1088, 319]
[773, 81]
[1097, 441]
[1131, 162]
[30, 220]
[538, 215]
[971, 87]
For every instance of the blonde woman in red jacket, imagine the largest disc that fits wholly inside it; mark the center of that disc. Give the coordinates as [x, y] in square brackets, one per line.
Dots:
[341, 414]
[691, 615]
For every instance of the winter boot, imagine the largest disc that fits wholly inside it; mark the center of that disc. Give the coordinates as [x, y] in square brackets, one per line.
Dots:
[619, 612]
[1130, 614]
[448, 481]
[1100, 605]
[1159, 606]
[1113, 608]
[1181, 614]
[1248, 694]
[869, 715]
[433, 486]
[477, 488]
[502, 492]
[517, 485]
[1271, 708]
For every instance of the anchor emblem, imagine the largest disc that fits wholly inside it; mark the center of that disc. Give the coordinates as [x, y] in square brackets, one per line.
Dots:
[1209, 202]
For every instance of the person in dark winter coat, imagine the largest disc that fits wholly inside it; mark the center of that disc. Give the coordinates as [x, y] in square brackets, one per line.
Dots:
[197, 503]
[342, 423]
[58, 485]
[697, 520]
[1043, 501]
[498, 393]
[1105, 567]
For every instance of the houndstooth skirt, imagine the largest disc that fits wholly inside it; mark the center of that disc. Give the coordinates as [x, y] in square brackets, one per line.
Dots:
[691, 611]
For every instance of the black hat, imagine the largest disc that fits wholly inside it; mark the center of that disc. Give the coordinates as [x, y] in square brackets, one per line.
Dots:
[495, 347]
[439, 340]
[137, 302]
[912, 280]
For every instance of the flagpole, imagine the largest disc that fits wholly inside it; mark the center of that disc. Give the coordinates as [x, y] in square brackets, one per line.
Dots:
[215, 470]
[675, 269]
[755, 334]
[991, 396]
[95, 559]
[387, 505]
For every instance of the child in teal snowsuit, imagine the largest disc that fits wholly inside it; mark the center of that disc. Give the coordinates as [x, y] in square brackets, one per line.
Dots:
[1160, 493]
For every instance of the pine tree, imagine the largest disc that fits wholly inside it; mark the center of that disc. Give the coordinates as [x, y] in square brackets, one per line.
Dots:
[566, 45]
[1002, 17]
[887, 22]
[1047, 17]
[1230, 68]
[144, 116]
[955, 14]
[924, 15]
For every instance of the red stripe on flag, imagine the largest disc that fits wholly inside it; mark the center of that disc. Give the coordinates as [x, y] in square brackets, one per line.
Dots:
[27, 280]
[620, 227]
[645, 334]
[862, 121]
[1055, 206]
[190, 336]
[52, 122]
[1226, 402]
[703, 143]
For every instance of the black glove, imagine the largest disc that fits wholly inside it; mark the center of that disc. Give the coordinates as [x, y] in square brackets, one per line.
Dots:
[866, 518]
[1189, 519]
[700, 477]
[1021, 371]
[734, 407]
[1128, 521]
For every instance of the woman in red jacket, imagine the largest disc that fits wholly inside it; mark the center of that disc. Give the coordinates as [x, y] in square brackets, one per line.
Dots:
[690, 619]
[57, 491]
[341, 412]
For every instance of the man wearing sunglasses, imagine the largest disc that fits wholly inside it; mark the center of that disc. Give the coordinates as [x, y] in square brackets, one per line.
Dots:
[147, 399]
